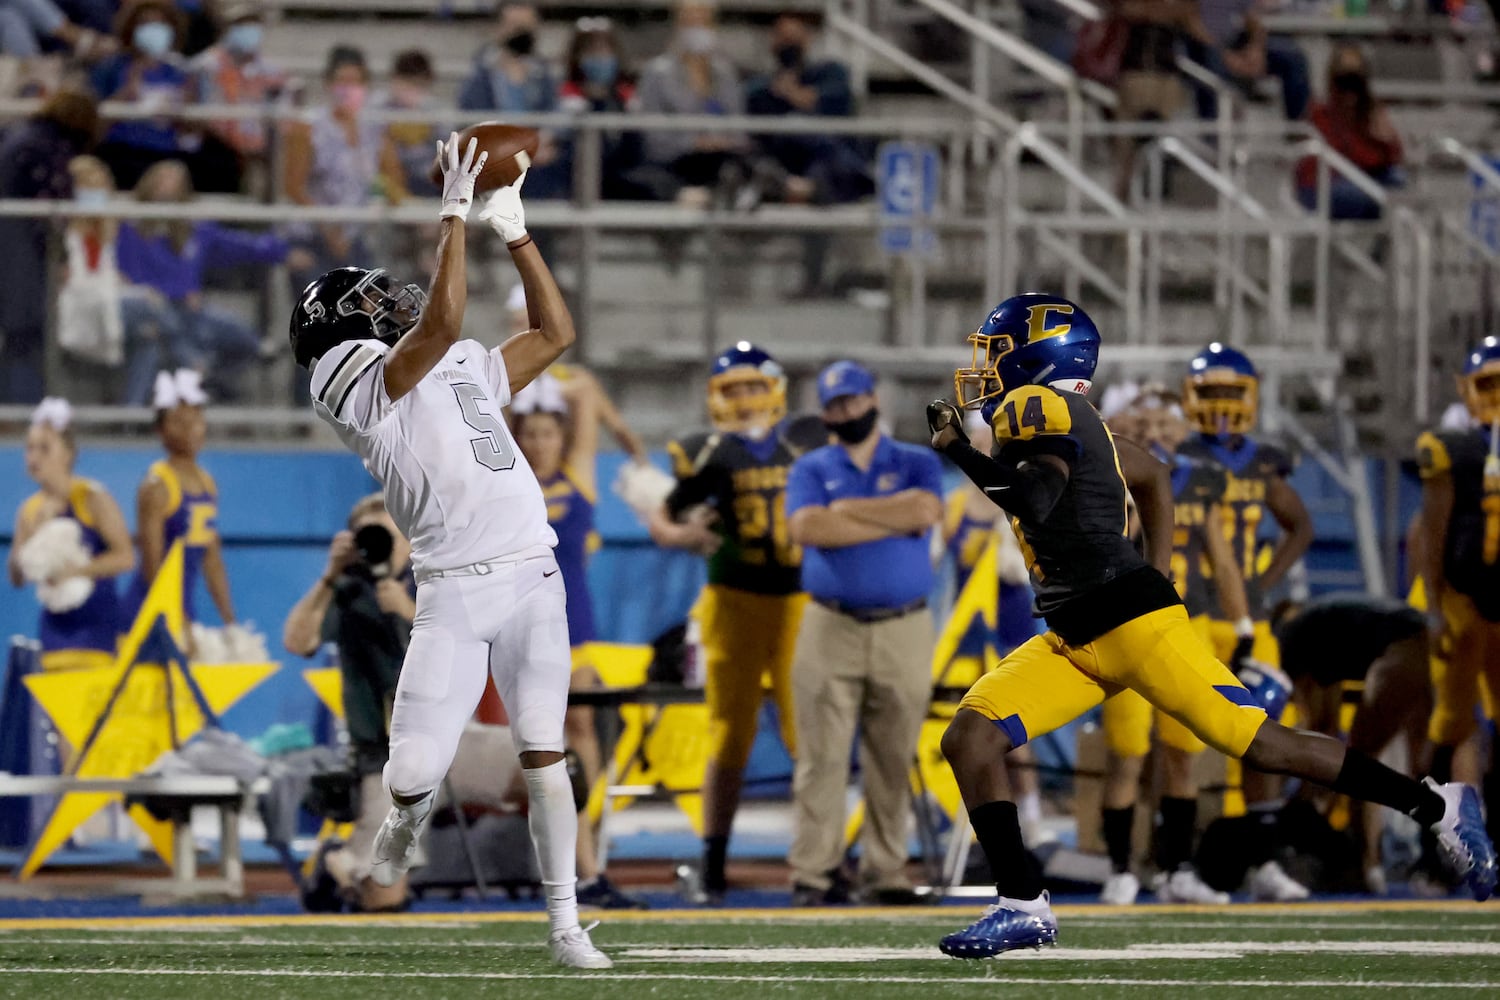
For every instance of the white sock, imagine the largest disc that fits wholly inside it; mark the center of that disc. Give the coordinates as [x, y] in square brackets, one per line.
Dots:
[553, 820]
[1042, 904]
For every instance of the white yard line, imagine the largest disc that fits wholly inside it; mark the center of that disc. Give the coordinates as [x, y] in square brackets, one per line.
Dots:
[993, 980]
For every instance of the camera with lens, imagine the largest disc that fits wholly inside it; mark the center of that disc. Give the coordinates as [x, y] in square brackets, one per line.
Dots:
[373, 544]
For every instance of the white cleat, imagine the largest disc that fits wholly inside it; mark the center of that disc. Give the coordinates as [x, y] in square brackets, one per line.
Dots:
[1120, 890]
[572, 949]
[396, 843]
[1184, 886]
[1270, 883]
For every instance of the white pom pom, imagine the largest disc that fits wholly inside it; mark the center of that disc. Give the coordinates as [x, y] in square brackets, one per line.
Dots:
[643, 487]
[55, 548]
[244, 644]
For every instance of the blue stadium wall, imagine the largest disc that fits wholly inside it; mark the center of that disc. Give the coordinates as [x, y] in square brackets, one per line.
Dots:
[278, 510]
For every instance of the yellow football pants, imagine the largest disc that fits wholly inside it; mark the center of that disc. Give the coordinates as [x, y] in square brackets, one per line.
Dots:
[748, 640]
[1045, 683]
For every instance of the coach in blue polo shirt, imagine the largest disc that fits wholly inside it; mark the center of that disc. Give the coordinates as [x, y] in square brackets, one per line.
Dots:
[862, 509]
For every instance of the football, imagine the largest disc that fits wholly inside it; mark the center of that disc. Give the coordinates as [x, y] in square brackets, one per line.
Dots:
[511, 148]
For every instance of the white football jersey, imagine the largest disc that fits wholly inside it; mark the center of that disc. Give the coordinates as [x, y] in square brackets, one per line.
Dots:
[455, 482]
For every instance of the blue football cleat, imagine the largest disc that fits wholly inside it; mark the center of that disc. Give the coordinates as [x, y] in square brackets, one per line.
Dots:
[1462, 839]
[1000, 929]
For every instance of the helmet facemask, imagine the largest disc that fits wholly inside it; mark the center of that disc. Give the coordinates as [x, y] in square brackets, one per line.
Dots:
[391, 310]
[746, 400]
[1480, 390]
[1220, 401]
[980, 383]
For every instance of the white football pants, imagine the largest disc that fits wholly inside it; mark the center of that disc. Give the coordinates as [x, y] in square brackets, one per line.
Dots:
[511, 622]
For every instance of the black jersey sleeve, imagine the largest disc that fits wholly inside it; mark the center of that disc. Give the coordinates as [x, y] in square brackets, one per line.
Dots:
[1028, 489]
[699, 479]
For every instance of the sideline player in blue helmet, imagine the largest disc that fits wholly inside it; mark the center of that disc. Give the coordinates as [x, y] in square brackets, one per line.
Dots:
[1460, 567]
[1114, 619]
[729, 506]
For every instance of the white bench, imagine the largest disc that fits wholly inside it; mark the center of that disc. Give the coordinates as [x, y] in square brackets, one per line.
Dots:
[182, 793]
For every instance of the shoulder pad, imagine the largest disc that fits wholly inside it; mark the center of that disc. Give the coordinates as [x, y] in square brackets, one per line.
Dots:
[336, 372]
[1032, 411]
[1433, 458]
[690, 455]
[804, 433]
[1209, 481]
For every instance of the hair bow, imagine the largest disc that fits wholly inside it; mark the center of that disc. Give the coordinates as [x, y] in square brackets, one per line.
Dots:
[184, 386]
[54, 412]
[543, 395]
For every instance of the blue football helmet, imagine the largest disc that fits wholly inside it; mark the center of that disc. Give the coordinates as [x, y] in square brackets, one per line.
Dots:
[1221, 393]
[746, 391]
[1479, 385]
[1029, 339]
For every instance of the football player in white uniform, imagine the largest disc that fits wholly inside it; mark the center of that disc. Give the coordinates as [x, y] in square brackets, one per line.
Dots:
[422, 407]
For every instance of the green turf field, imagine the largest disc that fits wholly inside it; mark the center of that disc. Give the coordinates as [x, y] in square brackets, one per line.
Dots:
[1146, 952]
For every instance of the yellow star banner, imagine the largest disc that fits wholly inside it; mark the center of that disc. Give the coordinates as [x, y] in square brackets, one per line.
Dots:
[328, 684]
[979, 600]
[121, 718]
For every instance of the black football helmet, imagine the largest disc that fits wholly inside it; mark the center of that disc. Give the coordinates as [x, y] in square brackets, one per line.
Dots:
[352, 303]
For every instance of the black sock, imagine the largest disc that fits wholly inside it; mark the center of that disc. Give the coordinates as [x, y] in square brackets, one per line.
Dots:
[998, 830]
[1174, 839]
[1118, 826]
[1442, 764]
[1369, 780]
[715, 850]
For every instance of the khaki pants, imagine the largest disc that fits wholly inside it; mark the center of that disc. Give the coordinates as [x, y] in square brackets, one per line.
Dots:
[875, 676]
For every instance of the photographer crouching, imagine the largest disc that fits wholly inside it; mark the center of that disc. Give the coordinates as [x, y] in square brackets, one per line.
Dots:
[364, 603]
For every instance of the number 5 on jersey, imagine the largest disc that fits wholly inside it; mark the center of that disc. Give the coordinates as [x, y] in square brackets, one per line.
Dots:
[492, 448]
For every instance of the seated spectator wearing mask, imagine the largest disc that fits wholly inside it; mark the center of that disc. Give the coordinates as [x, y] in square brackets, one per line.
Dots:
[150, 74]
[1355, 124]
[692, 78]
[364, 603]
[595, 80]
[820, 169]
[34, 158]
[89, 326]
[509, 77]
[233, 72]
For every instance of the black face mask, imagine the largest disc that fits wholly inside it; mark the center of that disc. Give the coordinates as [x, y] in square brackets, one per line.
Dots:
[789, 56]
[521, 43]
[856, 430]
[1351, 83]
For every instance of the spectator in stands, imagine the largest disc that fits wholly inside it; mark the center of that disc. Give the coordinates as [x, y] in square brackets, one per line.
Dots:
[364, 603]
[1237, 46]
[815, 169]
[233, 72]
[164, 261]
[862, 508]
[89, 325]
[34, 157]
[96, 15]
[27, 27]
[596, 80]
[1354, 122]
[338, 156]
[508, 76]
[150, 74]
[410, 91]
[1149, 88]
[694, 77]
[80, 620]
[821, 169]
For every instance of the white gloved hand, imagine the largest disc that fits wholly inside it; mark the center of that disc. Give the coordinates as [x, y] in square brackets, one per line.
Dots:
[504, 212]
[459, 176]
